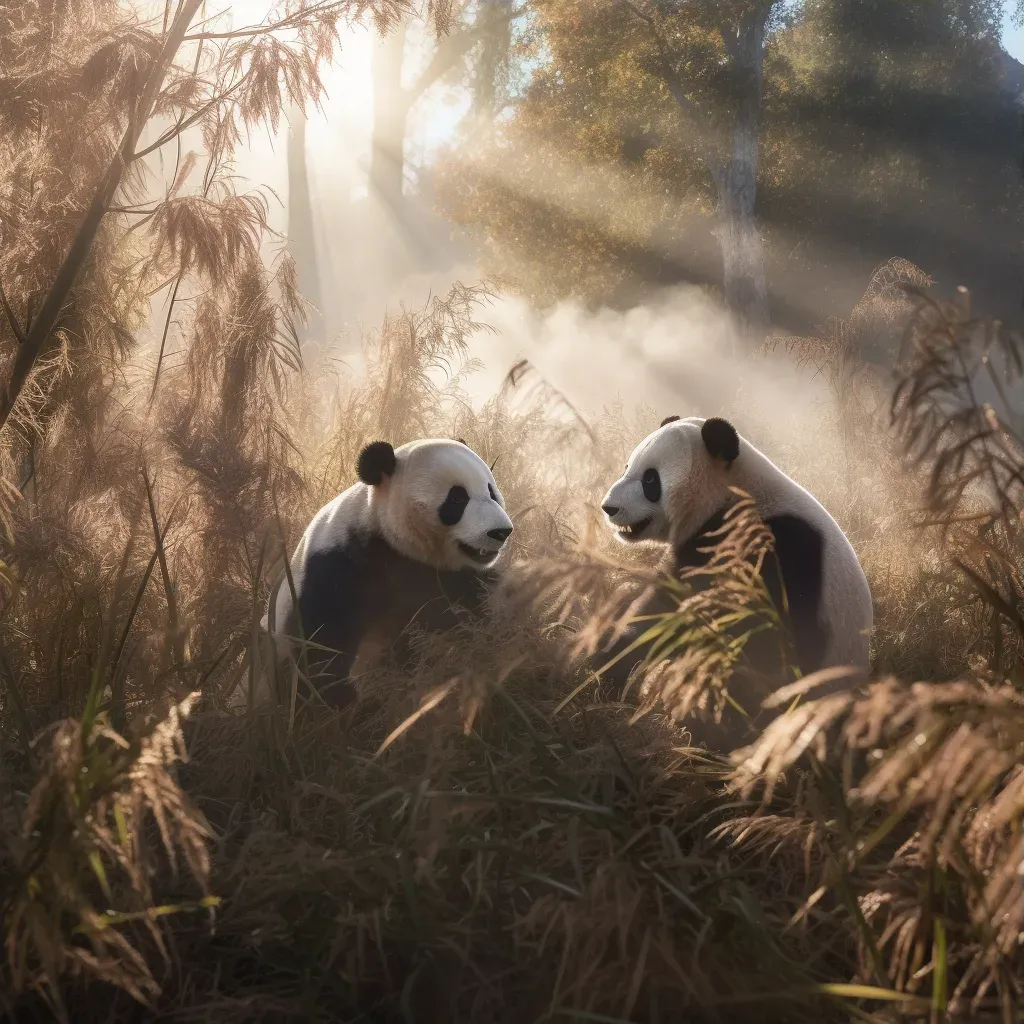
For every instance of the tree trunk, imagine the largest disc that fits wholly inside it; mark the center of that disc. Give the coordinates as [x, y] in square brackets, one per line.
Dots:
[492, 58]
[390, 114]
[735, 175]
[301, 238]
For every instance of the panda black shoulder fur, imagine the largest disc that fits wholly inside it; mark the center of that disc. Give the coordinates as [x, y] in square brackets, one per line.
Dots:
[675, 492]
[412, 541]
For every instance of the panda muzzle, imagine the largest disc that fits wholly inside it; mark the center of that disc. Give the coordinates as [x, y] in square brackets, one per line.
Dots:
[484, 555]
[479, 555]
[634, 530]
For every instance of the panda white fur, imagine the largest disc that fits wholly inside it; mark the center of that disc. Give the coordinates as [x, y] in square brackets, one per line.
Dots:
[412, 541]
[675, 492]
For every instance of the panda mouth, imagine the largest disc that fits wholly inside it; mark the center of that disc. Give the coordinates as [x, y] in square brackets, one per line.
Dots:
[478, 555]
[634, 530]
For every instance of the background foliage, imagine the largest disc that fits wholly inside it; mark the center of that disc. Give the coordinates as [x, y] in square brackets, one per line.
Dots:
[887, 129]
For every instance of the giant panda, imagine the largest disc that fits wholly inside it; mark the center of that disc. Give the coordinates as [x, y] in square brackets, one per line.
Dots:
[675, 493]
[413, 541]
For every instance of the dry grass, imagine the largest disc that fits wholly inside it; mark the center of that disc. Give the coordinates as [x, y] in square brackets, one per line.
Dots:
[491, 838]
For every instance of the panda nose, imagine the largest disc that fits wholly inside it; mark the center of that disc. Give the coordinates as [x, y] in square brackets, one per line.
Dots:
[610, 510]
[500, 535]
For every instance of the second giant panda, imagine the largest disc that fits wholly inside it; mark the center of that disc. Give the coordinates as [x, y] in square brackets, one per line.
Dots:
[675, 492]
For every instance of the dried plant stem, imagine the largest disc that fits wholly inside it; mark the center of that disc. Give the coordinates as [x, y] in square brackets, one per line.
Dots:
[12, 319]
[39, 333]
[163, 337]
[281, 24]
[11, 685]
[177, 640]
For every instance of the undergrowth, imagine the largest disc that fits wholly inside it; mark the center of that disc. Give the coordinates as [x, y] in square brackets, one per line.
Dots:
[493, 836]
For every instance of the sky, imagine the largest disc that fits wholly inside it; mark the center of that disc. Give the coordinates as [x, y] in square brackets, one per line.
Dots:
[1013, 37]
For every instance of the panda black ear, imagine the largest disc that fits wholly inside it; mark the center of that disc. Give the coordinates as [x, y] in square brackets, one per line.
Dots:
[720, 439]
[668, 419]
[376, 461]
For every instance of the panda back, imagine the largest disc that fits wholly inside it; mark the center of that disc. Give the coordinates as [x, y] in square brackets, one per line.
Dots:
[793, 574]
[819, 565]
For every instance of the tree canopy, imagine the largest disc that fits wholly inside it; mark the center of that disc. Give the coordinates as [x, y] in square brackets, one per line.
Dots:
[888, 128]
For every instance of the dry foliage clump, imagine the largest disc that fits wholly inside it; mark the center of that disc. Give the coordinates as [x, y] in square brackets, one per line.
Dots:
[85, 845]
[921, 837]
[918, 811]
[923, 627]
[491, 837]
[974, 458]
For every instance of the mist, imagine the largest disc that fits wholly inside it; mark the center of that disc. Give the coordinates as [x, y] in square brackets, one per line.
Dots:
[679, 354]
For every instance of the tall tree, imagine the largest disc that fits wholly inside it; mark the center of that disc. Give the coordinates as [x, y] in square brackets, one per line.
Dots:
[391, 105]
[490, 68]
[727, 122]
[669, 93]
[393, 98]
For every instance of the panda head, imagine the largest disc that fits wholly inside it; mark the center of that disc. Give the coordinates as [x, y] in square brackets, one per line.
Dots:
[675, 480]
[435, 501]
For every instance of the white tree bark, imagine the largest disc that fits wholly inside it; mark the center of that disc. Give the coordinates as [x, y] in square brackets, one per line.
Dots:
[731, 155]
[735, 176]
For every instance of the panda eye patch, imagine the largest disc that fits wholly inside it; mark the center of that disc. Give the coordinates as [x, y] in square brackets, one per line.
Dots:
[453, 506]
[651, 483]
